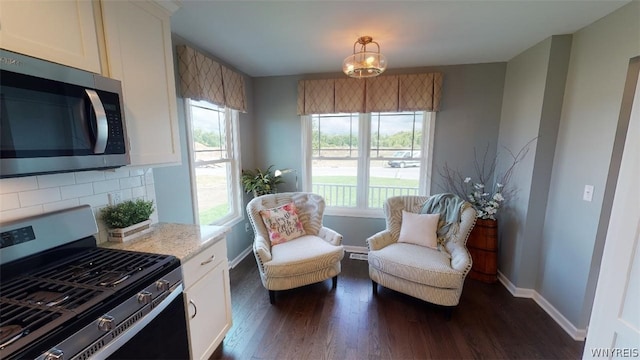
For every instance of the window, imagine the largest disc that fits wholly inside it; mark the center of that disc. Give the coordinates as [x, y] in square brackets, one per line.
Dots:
[356, 161]
[214, 162]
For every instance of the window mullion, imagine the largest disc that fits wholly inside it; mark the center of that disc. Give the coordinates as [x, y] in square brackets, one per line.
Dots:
[364, 142]
[426, 161]
[192, 161]
[231, 154]
[307, 150]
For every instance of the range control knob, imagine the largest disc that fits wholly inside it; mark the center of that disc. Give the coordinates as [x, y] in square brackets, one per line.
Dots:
[162, 285]
[144, 297]
[54, 354]
[105, 323]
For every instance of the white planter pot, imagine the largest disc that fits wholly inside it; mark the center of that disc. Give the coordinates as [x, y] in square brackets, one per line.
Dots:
[131, 232]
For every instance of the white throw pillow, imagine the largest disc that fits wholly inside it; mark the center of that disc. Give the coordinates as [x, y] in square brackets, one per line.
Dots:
[419, 229]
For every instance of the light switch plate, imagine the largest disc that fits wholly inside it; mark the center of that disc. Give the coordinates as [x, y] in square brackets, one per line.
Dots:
[588, 193]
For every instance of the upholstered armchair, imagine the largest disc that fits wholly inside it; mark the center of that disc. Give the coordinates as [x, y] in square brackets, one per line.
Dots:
[311, 256]
[434, 274]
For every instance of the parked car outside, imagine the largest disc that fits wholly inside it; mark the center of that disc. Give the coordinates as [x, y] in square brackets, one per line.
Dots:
[404, 159]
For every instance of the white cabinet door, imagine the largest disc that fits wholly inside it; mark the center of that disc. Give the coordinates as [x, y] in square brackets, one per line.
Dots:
[208, 304]
[139, 53]
[62, 31]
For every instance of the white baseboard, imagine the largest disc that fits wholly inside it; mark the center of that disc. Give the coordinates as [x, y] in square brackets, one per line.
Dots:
[565, 324]
[356, 249]
[240, 257]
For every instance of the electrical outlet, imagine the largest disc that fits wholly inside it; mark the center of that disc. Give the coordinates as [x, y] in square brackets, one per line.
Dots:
[246, 227]
[115, 198]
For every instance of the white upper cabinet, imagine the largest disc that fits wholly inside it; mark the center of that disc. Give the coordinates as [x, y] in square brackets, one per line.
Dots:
[139, 53]
[62, 31]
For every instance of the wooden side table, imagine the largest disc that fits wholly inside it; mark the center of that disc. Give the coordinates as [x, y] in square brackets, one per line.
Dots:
[483, 247]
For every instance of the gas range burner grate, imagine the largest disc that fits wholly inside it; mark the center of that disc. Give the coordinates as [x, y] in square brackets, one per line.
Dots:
[37, 302]
[18, 322]
[9, 334]
[102, 268]
[38, 293]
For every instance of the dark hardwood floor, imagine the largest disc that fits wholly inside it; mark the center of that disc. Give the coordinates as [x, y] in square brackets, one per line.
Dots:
[316, 322]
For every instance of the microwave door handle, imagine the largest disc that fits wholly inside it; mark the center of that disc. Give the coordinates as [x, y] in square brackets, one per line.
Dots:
[102, 126]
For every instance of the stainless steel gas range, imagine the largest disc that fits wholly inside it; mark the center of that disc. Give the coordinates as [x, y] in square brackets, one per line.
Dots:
[62, 297]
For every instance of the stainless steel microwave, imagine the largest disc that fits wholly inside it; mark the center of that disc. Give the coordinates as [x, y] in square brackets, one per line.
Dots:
[55, 118]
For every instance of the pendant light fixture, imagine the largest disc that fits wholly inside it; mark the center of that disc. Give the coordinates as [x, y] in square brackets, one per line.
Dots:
[364, 63]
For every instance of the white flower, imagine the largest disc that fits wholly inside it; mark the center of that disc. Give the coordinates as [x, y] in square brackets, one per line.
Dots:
[487, 203]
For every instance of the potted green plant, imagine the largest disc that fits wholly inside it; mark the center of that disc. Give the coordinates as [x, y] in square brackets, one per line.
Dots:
[261, 182]
[128, 219]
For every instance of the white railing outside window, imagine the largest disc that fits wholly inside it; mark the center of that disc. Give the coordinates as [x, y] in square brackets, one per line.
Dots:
[356, 161]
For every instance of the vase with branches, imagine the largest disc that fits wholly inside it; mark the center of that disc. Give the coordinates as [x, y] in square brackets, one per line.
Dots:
[484, 190]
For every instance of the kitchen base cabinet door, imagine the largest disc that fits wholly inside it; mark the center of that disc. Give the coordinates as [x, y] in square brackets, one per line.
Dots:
[208, 304]
[63, 32]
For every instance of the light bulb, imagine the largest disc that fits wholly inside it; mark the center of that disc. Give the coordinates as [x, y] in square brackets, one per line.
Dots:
[370, 60]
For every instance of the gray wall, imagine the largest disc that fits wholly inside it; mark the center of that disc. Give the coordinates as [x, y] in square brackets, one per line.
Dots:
[551, 239]
[531, 109]
[471, 105]
[600, 55]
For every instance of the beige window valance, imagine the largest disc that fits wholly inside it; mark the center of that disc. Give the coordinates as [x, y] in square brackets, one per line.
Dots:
[413, 92]
[202, 78]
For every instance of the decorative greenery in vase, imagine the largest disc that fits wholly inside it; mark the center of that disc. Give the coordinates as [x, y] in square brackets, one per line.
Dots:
[261, 182]
[479, 191]
[127, 213]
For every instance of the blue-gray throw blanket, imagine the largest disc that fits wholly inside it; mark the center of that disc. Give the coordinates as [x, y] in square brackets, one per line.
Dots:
[449, 206]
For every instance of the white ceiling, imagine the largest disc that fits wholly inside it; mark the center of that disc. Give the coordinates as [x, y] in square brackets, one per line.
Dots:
[270, 38]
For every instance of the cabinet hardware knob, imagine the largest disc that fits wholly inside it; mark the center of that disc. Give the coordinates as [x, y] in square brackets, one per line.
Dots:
[208, 261]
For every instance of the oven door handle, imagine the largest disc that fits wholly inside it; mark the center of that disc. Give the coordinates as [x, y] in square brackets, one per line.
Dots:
[102, 126]
[195, 309]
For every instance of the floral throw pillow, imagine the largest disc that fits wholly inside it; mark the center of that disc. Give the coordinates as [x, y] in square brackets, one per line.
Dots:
[282, 223]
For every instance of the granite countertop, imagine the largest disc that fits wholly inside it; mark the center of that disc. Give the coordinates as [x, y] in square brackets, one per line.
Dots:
[180, 240]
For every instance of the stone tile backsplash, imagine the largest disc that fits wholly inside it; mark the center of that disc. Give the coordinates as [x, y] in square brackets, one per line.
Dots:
[28, 196]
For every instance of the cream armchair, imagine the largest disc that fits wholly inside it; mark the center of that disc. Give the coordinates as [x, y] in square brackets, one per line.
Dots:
[433, 275]
[308, 259]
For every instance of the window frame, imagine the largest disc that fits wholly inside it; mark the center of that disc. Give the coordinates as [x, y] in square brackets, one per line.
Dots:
[364, 160]
[232, 139]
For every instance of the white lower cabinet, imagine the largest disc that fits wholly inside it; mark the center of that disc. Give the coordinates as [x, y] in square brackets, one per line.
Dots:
[207, 300]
